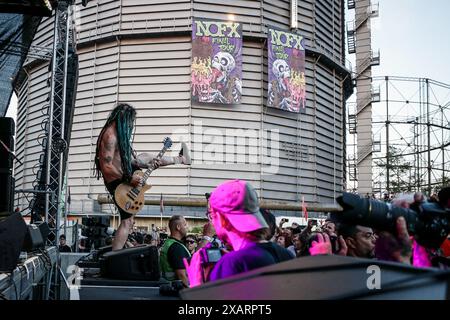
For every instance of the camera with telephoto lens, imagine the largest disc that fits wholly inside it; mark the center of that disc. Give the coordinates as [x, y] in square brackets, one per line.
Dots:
[429, 225]
[211, 253]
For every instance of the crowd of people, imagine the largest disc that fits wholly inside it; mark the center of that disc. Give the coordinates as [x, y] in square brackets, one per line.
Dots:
[247, 237]
[240, 236]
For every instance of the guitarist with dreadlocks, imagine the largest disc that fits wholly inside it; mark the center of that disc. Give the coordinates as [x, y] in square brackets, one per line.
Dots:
[116, 161]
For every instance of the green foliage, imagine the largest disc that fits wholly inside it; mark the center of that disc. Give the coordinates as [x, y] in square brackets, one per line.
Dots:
[399, 171]
[197, 229]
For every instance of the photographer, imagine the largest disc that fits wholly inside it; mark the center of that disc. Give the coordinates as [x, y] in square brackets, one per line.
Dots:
[235, 214]
[429, 225]
[360, 240]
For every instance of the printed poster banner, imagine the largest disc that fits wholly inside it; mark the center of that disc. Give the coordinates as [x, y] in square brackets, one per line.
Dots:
[216, 69]
[286, 71]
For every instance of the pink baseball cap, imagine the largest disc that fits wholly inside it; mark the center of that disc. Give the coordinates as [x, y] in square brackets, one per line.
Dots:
[238, 200]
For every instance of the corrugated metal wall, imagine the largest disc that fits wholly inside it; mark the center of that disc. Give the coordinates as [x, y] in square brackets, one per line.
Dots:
[141, 53]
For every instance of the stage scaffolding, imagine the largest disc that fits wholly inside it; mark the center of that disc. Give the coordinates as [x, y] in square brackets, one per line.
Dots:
[411, 136]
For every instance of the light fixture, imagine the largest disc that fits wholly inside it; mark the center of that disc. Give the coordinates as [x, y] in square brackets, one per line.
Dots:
[48, 5]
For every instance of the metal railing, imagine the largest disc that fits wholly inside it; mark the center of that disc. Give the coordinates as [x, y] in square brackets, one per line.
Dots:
[364, 152]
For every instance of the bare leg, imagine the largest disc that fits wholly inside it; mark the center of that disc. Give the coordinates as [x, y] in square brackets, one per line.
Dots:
[122, 233]
[182, 158]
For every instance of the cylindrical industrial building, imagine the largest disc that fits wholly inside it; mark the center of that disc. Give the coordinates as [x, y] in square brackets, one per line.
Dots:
[140, 52]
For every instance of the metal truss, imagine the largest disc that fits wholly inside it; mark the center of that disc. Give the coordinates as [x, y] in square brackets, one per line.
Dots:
[56, 144]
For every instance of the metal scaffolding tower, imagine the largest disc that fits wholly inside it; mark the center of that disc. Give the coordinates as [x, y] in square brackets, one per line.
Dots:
[56, 144]
[48, 186]
[414, 135]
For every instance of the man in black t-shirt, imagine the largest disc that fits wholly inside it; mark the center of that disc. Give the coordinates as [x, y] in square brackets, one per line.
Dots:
[63, 247]
[234, 212]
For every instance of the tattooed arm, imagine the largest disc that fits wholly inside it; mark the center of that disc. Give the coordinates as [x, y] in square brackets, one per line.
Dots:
[139, 163]
[111, 167]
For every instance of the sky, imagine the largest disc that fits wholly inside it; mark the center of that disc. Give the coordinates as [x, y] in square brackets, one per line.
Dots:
[413, 37]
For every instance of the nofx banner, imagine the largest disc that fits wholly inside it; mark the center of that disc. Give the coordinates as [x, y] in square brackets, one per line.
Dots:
[216, 69]
[286, 71]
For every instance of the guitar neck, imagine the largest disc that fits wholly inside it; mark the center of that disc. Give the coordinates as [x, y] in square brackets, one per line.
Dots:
[150, 169]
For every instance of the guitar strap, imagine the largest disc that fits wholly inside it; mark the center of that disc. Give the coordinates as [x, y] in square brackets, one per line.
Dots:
[134, 153]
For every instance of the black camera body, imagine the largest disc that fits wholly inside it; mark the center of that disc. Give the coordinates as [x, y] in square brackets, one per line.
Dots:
[430, 224]
[211, 253]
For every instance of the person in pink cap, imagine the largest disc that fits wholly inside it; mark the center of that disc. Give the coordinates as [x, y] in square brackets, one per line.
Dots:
[235, 214]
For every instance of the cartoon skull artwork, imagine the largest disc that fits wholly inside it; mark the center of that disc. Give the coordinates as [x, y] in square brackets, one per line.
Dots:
[282, 72]
[223, 63]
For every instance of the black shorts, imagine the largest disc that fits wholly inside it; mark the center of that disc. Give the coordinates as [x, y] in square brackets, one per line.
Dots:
[111, 186]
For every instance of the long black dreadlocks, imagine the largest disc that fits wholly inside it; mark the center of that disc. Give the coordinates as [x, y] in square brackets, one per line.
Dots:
[124, 115]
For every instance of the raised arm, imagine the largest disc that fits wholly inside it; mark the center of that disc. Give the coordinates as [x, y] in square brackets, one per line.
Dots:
[139, 163]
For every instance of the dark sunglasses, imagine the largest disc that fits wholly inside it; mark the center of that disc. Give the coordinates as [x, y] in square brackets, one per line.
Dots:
[190, 241]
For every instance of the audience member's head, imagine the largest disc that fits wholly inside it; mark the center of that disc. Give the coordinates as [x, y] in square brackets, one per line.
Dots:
[139, 237]
[191, 243]
[235, 210]
[419, 197]
[329, 227]
[288, 231]
[178, 227]
[284, 239]
[360, 240]
[299, 244]
[62, 240]
[148, 238]
[271, 221]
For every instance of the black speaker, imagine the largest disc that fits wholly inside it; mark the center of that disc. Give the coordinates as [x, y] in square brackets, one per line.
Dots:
[136, 263]
[12, 234]
[7, 131]
[44, 229]
[33, 239]
[6, 192]
[96, 221]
